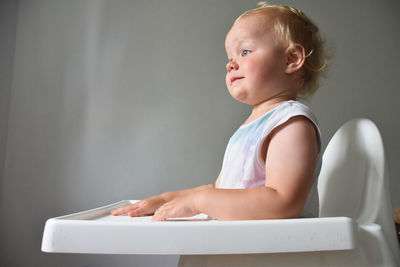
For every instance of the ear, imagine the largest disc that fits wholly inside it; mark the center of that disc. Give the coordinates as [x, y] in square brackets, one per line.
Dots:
[295, 56]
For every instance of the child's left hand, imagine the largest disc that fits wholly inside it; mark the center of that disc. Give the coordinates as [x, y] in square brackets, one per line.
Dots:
[183, 206]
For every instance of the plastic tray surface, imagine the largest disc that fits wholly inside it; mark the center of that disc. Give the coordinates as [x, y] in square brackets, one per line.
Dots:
[96, 231]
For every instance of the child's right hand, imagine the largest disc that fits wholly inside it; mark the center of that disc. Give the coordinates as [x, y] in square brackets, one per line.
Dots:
[141, 208]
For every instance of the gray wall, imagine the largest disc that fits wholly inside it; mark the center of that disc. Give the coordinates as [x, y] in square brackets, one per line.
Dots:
[8, 24]
[112, 100]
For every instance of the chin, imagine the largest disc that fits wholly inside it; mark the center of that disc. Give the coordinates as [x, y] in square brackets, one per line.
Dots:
[239, 96]
[244, 100]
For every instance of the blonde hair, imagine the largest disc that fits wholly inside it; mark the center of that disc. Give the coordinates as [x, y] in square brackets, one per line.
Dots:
[293, 26]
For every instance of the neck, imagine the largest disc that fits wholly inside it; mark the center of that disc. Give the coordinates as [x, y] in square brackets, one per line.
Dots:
[269, 104]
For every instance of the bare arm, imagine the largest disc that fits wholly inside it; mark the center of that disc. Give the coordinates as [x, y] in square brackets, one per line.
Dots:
[168, 196]
[290, 164]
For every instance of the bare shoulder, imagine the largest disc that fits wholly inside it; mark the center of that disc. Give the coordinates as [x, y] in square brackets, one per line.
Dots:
[297, 127]
[293, 144]
[297, 132]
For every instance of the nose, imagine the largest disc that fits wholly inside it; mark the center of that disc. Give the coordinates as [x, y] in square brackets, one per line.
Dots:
[232, 65]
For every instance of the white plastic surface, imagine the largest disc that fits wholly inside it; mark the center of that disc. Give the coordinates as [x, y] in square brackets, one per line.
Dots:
[354, 183]
[95, 231]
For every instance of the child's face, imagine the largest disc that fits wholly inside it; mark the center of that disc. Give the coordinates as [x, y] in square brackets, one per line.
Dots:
[256, 67]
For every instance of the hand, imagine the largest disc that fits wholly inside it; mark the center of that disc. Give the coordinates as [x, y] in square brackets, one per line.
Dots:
[183, 206]
[141, 208]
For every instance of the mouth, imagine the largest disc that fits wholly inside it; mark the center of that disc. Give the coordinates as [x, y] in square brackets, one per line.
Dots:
[233, 79]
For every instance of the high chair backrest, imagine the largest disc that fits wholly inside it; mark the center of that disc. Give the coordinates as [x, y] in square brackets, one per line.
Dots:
[353, 181]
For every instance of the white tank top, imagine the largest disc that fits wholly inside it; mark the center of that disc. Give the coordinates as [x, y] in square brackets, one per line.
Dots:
[243, 166]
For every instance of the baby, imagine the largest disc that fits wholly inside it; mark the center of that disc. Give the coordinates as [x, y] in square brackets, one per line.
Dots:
[271, 164]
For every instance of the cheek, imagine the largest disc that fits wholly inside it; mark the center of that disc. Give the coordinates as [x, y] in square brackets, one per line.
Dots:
[262, 69]
[251, 65]
[255, 69]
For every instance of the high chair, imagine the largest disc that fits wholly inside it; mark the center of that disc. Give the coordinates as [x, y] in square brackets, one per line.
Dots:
[355, 228]
[353, 182]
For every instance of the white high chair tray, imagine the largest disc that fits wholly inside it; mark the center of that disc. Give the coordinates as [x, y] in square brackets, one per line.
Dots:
[96, 231]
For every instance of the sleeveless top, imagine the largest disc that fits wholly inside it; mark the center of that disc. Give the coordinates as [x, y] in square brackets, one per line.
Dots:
[243, 166]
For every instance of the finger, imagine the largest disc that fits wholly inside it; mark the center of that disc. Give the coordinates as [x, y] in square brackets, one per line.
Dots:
[159, 215]
[142, 209]
[158, 218]
[137, 212]
[125, 209]
[121, 210]
[164, 212]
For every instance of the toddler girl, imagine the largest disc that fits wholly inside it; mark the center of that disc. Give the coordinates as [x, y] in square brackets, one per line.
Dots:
[271, 164]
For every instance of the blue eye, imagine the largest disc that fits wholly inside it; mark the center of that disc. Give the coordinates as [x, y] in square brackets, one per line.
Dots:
[245, 52]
